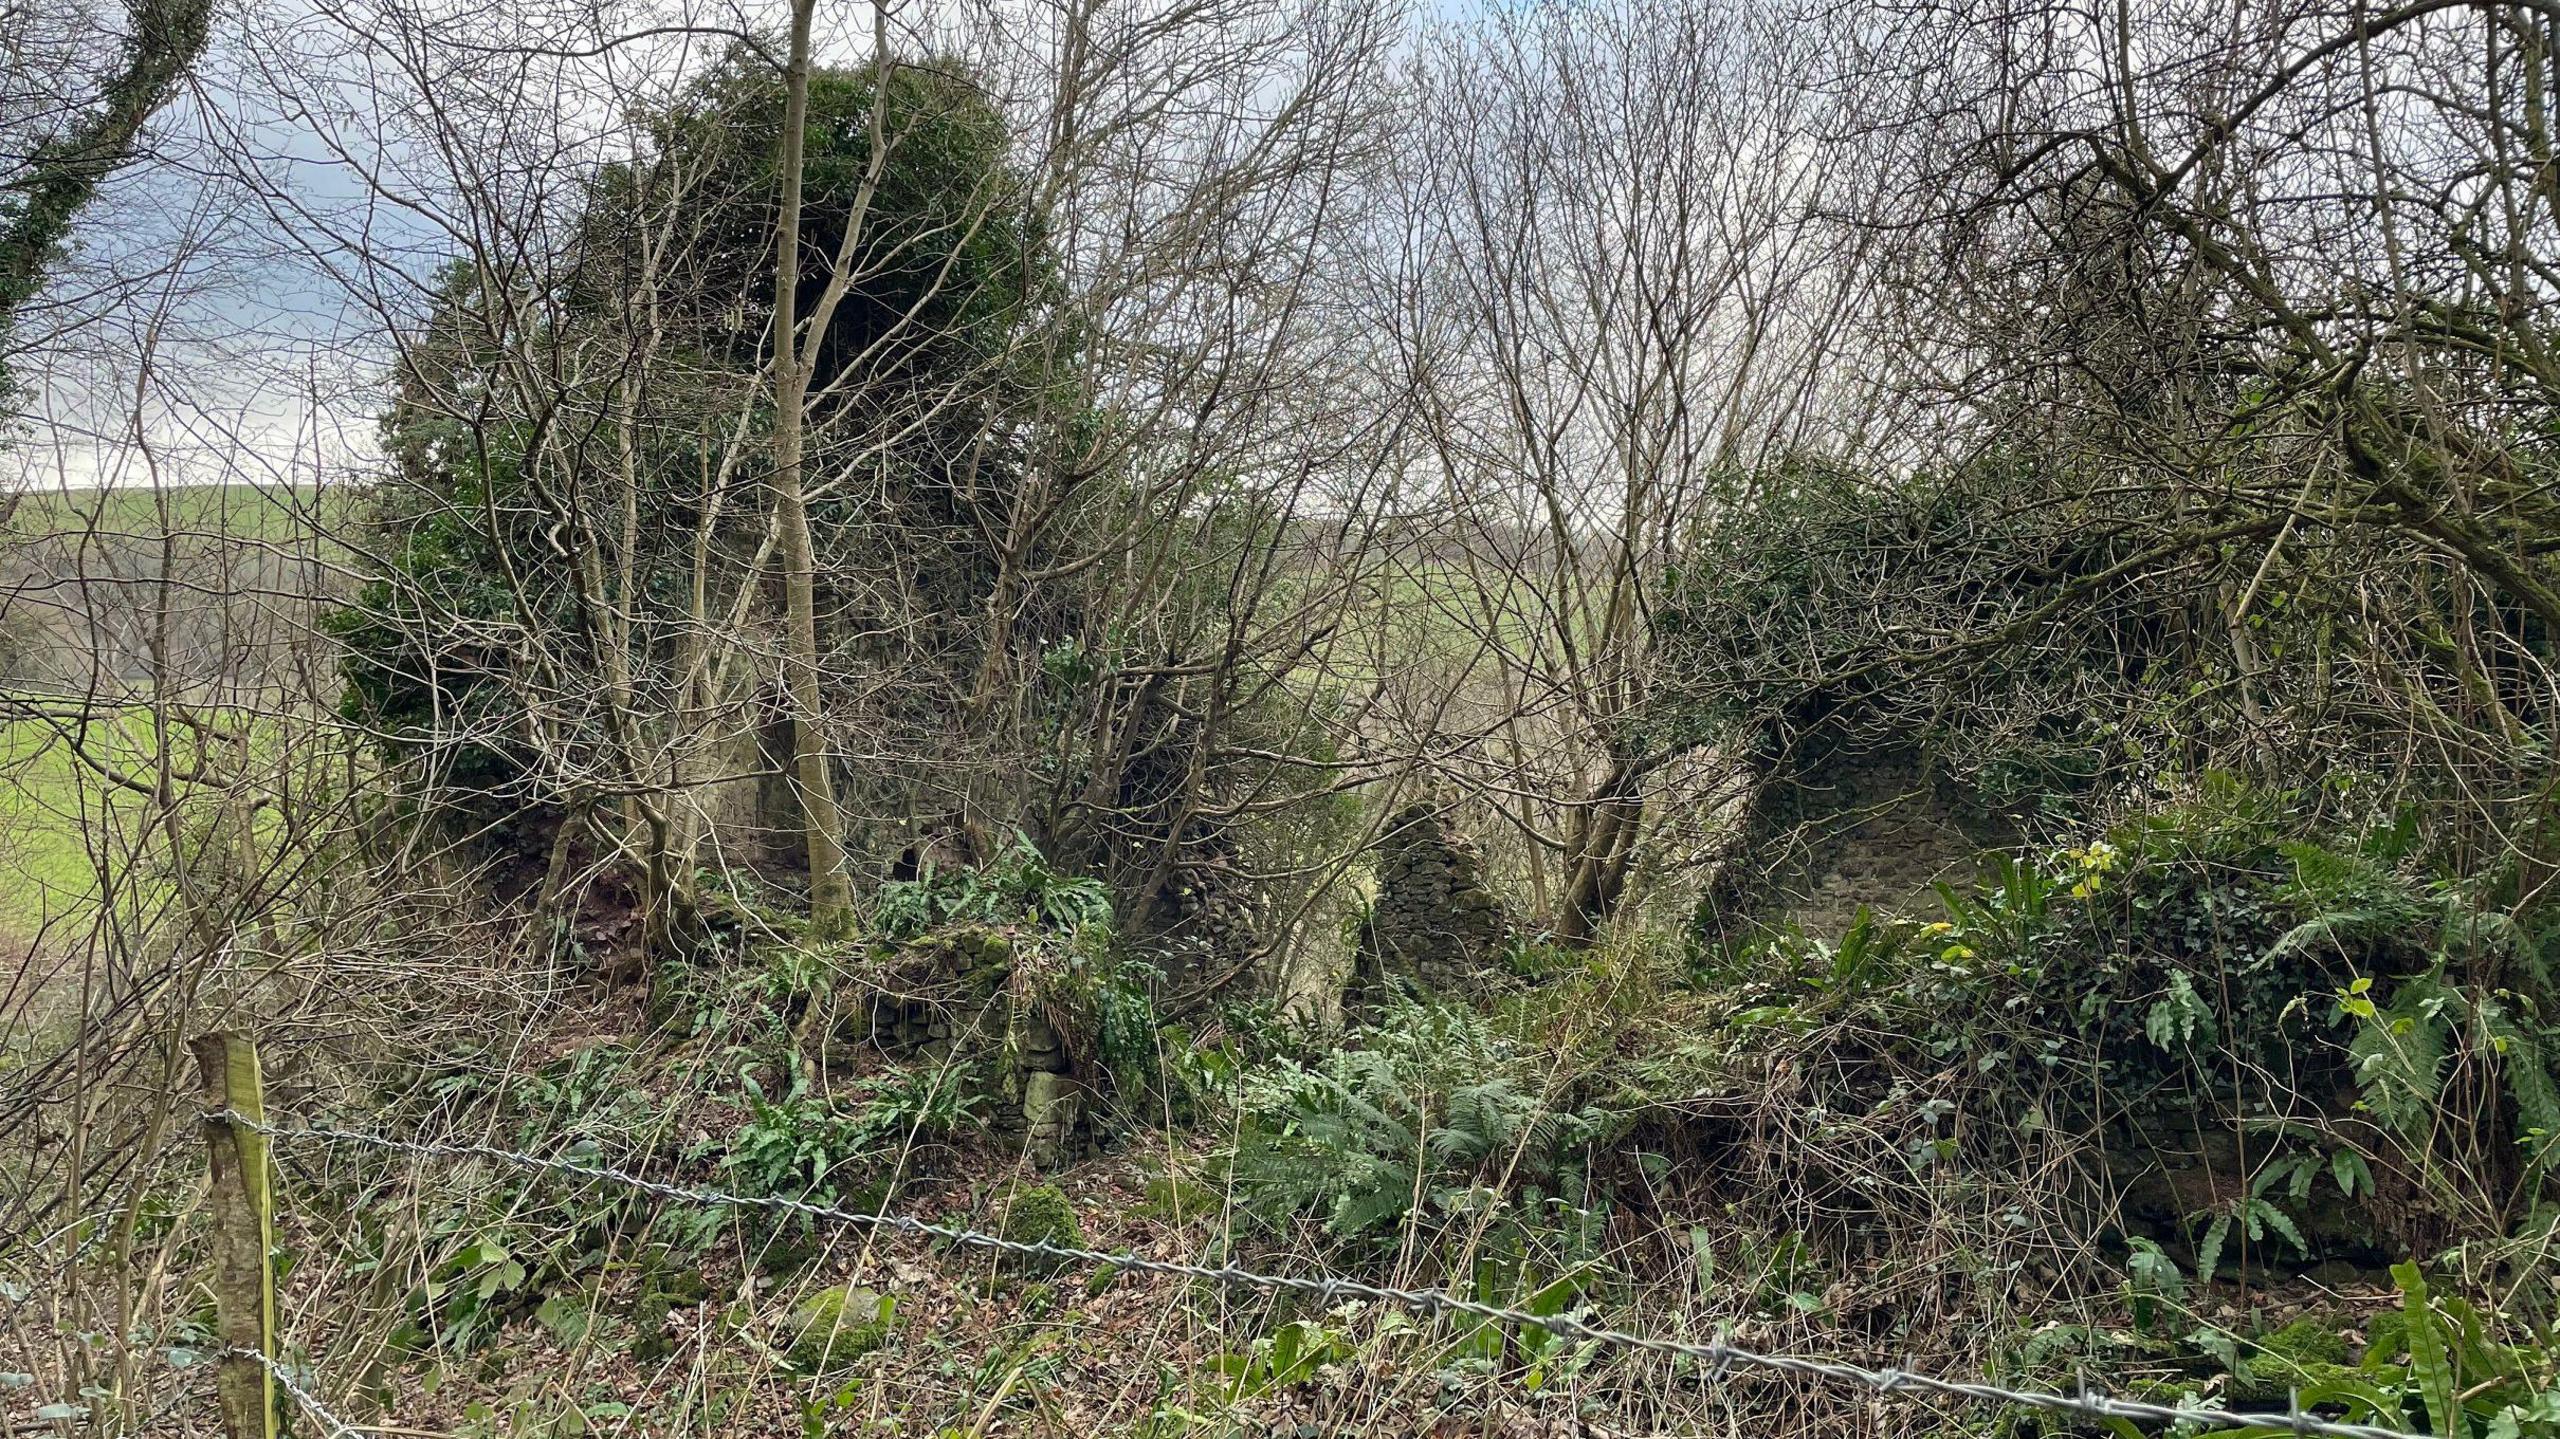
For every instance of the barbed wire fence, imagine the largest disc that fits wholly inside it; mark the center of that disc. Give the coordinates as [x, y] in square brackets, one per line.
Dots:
[332, 1427]
[1720, 1357]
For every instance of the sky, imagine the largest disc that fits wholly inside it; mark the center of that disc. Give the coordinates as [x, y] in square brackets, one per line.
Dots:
[237, 287]
[223, 315]
[185, 321]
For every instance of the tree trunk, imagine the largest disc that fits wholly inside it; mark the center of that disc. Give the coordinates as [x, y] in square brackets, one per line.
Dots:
[1602, 850]
[830, 891]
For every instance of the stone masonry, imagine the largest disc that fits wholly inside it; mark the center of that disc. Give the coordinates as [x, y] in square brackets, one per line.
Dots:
[1434, 923]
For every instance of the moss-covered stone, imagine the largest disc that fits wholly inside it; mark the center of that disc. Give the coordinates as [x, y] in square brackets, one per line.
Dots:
[2313, 1338]
[2386, 1335]
[1037, 1301]
[786, 1254]
[1177, 1198]
[1041, 1214]
[684, 1286]
[833, 1327]
[1049, 1113]
[2309, 1351]
[751, 910]
[674, 991]
[649, 1342]
[981, 955]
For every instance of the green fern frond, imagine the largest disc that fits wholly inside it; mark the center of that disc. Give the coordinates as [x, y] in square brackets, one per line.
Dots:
[2525, 1059]
[2324, 879]
[2398, 1056]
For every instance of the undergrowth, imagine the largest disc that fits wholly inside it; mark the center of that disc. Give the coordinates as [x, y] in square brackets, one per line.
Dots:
[2090, 1119]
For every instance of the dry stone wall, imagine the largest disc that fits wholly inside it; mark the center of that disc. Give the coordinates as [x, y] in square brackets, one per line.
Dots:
[1872, 830]
[953, 993]
[1434, 923]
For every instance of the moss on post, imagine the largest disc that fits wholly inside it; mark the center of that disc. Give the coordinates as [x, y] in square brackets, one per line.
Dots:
[244, 1288]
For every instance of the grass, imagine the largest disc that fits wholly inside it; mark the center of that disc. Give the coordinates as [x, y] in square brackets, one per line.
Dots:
[47, 801]
[56, 809]
[242, 512]
[51, 802]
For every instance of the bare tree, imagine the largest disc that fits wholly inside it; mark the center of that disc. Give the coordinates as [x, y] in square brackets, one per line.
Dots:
[1618, 289]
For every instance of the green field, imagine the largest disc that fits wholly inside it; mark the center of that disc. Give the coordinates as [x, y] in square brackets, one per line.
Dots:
[55, 808]
[240, 512]
[61, 818]
[47, 805]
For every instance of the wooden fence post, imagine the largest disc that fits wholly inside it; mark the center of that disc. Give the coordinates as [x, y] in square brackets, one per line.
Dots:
[244, 1285]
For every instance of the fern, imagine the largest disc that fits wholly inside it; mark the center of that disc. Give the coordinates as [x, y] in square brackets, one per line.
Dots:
[2209, 1248]
[1427, 1109]
[2525, 1058]
[1020, 887]
[2324, 879]
[2398, 1056]
[2354, 901]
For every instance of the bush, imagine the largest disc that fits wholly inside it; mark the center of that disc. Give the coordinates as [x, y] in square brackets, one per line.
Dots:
[1431, 1116]
[2201, 982]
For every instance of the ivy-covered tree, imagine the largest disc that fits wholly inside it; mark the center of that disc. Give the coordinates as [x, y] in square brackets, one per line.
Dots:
[71, 147]
[569, 616]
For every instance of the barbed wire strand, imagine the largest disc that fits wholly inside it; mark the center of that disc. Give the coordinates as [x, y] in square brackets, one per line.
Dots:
[303, 1399]
[1718, 1355]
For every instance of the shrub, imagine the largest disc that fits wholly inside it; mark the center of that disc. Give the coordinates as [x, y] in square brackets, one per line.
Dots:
[2196, 979]
[1432, 1115]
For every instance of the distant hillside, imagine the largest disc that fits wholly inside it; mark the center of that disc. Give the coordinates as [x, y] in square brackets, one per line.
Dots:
[87, 580]
[241, 511]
